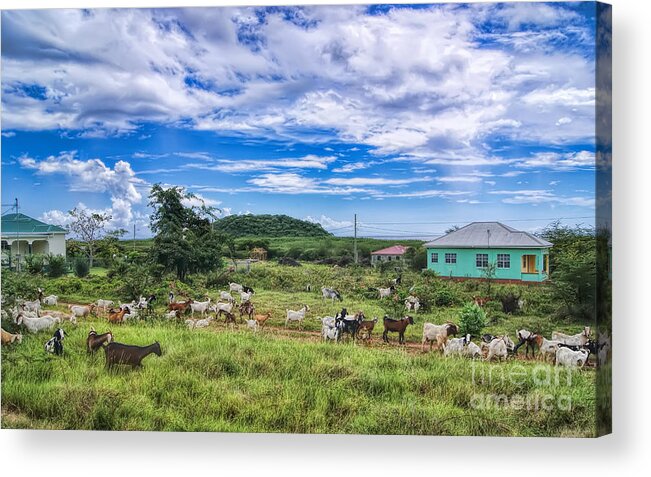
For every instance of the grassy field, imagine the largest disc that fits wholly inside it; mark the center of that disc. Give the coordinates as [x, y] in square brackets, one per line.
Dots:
[221, 379]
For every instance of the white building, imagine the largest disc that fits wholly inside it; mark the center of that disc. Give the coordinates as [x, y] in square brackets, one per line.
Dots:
[23, 235]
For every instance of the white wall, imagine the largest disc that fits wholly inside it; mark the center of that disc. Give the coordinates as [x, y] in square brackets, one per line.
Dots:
[58, 244]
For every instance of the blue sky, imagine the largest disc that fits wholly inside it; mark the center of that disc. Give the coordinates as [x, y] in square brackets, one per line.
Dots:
[413, 117]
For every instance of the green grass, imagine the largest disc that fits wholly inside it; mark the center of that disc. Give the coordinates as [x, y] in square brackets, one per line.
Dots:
[283, 381]
[237, 381]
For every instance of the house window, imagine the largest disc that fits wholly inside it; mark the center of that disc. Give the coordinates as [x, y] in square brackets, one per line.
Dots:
[450, 258]
[503, 260]
[546, 264]
[389, 258]
[481, 260]
[435, 258]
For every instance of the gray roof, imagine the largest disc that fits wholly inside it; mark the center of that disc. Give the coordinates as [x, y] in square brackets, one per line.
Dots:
[488, 234]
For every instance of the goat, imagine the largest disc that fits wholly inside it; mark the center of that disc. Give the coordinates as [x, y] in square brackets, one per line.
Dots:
[220, 308]
[252, 325]
[330, 293]
[95, 341]
[9, 338]
[262, 319]
[456, 346]
[567, 357]
[235, 287]
[297, 316]
[472, 350]
[528, 338]
[203, 323]
[118, 353]
[34, 325]
[181, 306]
[386, 292]
[248, 290]
[366, 328]
[248, 309]
[397, 326]
[397, 281]
[199, 306]
[51, 300]
[224, 295]
[55, 344]
[244, 297]
[81, 311]
[499, 348]
[348, 325]
[104, 304]
[546, 347]
[580, 339]
[330, 333]
[438, 334]
[229, 317]
[118, 316]
[412, 304]
[34, 306]
[172, 315]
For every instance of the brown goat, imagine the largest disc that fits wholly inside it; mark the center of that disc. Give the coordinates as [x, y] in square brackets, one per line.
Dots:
[8, 338]
[366, 328]
[230, 317]
[118, 316]
[118, 353]
[182, 306]
[398, 326]
[262, 319]
[95, 341]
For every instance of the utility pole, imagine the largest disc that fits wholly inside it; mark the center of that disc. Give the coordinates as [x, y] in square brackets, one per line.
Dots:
[355, 241]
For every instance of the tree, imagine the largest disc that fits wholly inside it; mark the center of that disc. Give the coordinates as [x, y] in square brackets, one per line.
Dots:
[454, 228]
[472, 320]
[488, 274]
[89, 227]
[185, 240]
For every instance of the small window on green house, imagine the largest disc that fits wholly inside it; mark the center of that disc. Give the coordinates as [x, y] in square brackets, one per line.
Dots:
[435, 258]
[451, 258]
[481, 260]
[503, 260]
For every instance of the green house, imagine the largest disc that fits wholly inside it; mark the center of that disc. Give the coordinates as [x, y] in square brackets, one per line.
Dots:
[466, 253]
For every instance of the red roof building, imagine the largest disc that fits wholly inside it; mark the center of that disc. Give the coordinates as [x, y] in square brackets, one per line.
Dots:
[393, 253]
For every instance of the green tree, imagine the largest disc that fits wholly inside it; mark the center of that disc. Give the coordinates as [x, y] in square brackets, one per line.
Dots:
[184, 241]
[488, 274]
[472, 320]
[89, 228]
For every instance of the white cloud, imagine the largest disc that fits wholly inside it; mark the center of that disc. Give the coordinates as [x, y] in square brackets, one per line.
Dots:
[468, 179]
[374, 181]
[245, 165]
[541, 196]
[353, 166]
[563, 120]
[8, 134]
[560, 161]
[329, 223]
[199, 200]
[93, 175]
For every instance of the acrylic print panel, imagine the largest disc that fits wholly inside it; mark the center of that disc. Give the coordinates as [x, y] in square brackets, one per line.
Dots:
[308, 219]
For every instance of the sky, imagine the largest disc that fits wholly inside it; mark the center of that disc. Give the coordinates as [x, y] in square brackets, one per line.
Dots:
[413, 117]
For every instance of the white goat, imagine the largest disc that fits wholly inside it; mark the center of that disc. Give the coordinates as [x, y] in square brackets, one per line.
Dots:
[412, 303]
[224, 295]
[172, 315]
[244, 297]
[546, 347]
[252, 325]
[80, 311]
[190, 323]
[34, 306]
[472, 351]
[567, 357]
[235, 287]
[455, 346]
[199, 306]
[104, 304]
[51, 300]
[297, 316]
[437, 334]
[385, 292]
[330, 293]
[329, 333]
[226, 307]
[203, 323]
[328, 321]
[579, 339]
[34, 325]
[499, 348]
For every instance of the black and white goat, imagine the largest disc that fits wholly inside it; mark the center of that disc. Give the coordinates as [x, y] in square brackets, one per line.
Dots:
[55, 344]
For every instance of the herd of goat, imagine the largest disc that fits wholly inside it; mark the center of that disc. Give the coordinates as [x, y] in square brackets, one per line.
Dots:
[562, 349]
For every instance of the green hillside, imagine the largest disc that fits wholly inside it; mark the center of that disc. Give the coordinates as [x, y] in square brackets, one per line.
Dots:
[269, 226]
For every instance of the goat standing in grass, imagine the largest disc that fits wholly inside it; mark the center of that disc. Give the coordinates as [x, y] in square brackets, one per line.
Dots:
[297, 316]
[118, 353]
[330, 293]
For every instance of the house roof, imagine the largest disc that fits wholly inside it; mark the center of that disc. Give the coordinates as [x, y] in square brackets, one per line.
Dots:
[393, 250]
[22, 224]
[488, 234]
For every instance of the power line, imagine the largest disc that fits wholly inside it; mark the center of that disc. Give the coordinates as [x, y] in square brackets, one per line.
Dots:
[484, 220]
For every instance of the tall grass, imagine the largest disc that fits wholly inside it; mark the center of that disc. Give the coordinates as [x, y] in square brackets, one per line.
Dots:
[217, 380]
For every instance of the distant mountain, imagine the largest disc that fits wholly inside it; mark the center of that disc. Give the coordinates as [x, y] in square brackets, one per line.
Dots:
[269, 226]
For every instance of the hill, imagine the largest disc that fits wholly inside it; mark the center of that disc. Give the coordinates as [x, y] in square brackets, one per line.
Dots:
[269, 226]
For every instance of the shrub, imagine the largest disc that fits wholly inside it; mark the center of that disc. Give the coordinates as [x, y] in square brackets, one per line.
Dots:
[56, 266]
[81, 267]
[35, 263]
[473, 320]
[309, 254]
[444, 297]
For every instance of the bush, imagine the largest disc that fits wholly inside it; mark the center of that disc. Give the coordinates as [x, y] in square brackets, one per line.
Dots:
[444, 297]
[81, 267]
[56, 266]
[472, 321]
[35, 264]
